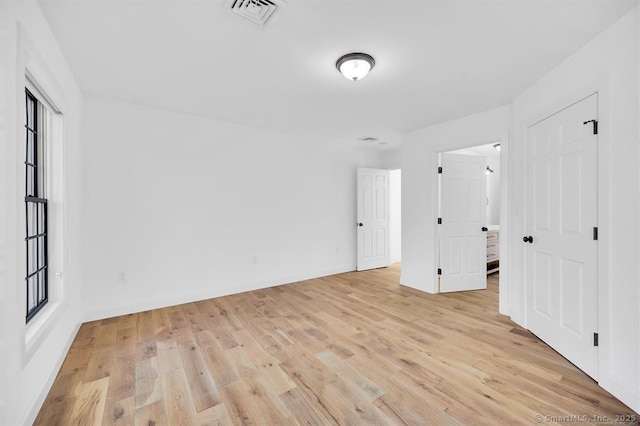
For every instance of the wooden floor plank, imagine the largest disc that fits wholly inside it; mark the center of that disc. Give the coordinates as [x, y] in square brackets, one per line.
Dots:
[204, 391]
[180, 408]
[119, 412]
[120, 401]
[151, 415]
[89, 405]
[215, 416]
[354, 348]
[148, 385]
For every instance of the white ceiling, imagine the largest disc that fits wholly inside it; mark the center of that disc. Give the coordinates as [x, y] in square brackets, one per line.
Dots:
[483, 150]
[435, 59]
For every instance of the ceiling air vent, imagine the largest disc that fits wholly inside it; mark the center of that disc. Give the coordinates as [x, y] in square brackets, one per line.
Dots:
[257, 11]
[368, 139]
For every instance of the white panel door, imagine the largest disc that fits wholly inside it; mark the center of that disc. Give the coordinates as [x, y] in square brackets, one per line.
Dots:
[373, 219]
[561, 253]
[463, 209]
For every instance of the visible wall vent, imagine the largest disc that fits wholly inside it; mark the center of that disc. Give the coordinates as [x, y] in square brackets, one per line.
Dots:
[368, 139]
[257, 11]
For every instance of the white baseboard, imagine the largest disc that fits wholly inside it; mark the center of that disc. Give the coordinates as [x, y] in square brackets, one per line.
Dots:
[630, 396]
[102, 312]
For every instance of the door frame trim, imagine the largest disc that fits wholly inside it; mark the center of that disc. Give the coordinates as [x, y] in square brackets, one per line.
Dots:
[504, 299]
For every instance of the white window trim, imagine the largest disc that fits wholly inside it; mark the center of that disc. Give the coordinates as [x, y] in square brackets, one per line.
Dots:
[38, 328]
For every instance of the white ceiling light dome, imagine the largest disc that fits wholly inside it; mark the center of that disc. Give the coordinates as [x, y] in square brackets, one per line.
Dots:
[355, 66]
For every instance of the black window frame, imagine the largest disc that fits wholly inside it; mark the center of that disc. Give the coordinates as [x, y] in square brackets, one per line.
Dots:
[36, 211]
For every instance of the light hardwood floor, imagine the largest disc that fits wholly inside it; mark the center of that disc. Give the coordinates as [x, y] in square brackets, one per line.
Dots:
[353, 349]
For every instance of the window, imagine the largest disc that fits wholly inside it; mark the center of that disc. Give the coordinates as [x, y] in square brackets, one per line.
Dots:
[37, 277]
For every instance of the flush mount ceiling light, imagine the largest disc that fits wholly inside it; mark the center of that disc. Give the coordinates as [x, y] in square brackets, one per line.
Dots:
[355, 66]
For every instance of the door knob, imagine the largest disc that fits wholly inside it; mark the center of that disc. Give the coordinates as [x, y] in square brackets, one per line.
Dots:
[527, 239]
[485, 229]
[360, 224]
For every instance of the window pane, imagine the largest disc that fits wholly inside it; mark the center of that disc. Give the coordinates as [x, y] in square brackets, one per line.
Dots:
[34, 219]
[31, 187]
[31, 212]
[32, 256]
[32, 288]
[42, 294]
[41, 252]
[31, 107]
[41, 218]
[30, 147]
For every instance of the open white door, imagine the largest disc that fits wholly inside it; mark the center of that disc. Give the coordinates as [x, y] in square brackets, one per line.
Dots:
[561, 250]
[373, 219]
[463, 211]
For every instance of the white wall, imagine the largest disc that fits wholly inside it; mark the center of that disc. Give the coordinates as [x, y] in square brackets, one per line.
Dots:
[609, 65]
[420, 188]
[189, 208]
[30, 356]
[391, 159]
[395, 216]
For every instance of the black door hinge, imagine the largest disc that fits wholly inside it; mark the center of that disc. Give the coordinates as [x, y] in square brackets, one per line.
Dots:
[595, 125]
[439, 221]
[595, 233]
[439, 169]
[595, 339]
[439, 271]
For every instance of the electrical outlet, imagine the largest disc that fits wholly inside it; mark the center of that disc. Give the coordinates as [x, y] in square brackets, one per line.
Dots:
[122, 277]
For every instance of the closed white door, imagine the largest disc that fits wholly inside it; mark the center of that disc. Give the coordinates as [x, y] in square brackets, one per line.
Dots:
[463, 211]
[561, 246]
[373, 219]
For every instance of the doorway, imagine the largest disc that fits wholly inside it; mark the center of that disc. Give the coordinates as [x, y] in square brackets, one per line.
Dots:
[469, 217]
[378, 221]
